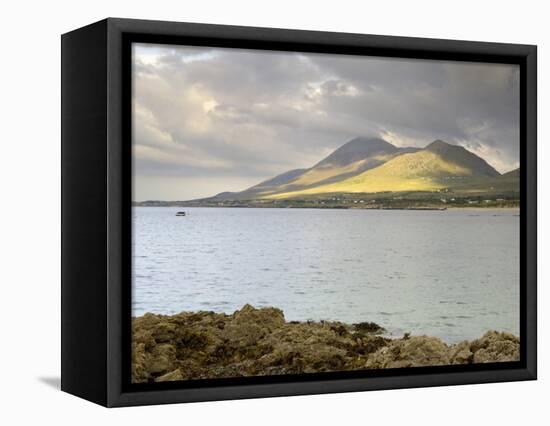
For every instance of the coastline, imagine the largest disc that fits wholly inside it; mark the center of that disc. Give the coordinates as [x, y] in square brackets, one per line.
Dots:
[512, 208]
[260, 342]
[479, 208]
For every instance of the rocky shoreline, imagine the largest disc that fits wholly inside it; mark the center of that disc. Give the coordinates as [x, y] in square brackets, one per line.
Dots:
[259, 342]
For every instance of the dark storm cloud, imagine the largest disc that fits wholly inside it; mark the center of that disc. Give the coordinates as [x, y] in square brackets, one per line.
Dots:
[238, 116]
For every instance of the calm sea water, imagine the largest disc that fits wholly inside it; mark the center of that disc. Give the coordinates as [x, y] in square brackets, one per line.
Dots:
[452, 274]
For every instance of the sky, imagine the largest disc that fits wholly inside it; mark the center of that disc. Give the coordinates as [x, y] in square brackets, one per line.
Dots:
[207, 120]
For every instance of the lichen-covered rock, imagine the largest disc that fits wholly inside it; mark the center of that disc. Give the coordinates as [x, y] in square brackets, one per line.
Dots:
[259, 342]
[417, 351]
[461, 353]
[303, 348]
[162, 359]
[170, 377]
[495, 346]
[368, 328]
[139, 363]
[249, 325]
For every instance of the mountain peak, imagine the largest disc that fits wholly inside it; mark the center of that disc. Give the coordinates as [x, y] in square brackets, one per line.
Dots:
[438, 145]
[512, 173]
[357, 149]
[367, 141]
[457, 154]
[370, 164]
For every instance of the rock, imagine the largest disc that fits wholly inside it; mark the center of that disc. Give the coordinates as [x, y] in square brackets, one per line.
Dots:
[268, 319]
[249, 325]
[259, 342]
[139, 363]
[162, 359]
[368, 328]
[305, 349]
[416, 351]
[164, 332]
[495, 347]
[170, 377]
[461, 353]
[370, 344]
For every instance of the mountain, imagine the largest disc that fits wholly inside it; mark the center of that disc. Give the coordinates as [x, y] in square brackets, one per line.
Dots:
[437, 166]
[264, 187]
[355, 150]
[460, 155]
[507, 183]
[372, 165]
[352, 158]
[511, 174]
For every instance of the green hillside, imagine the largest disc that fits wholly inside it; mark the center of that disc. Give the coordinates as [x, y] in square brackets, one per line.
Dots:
[506, 184]
[438, 166]
[352, 158]
[372, 173]
[263, 188]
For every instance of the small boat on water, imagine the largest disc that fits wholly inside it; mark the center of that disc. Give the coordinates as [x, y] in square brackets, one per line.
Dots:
[181, 214]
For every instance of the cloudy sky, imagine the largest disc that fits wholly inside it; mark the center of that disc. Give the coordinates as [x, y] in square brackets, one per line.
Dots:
[207, 120]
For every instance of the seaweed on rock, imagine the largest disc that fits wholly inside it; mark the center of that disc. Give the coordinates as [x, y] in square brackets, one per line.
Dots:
[256, 342]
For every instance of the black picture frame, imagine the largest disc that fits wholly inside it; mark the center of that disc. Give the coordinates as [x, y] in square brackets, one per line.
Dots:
[96, 211]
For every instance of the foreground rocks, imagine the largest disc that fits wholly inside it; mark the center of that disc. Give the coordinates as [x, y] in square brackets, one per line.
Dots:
[256, 342]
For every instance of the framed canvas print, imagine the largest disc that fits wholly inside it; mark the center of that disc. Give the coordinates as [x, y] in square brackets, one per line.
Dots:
[253, 212]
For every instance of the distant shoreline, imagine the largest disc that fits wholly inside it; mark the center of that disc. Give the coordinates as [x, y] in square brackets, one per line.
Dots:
[484, 208]
[376, 201]
[510, 208]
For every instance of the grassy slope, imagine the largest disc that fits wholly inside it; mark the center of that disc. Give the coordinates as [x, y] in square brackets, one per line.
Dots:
[507, 183]
[352, 158]
[320, 175]
[364, 166]
[419, 171]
